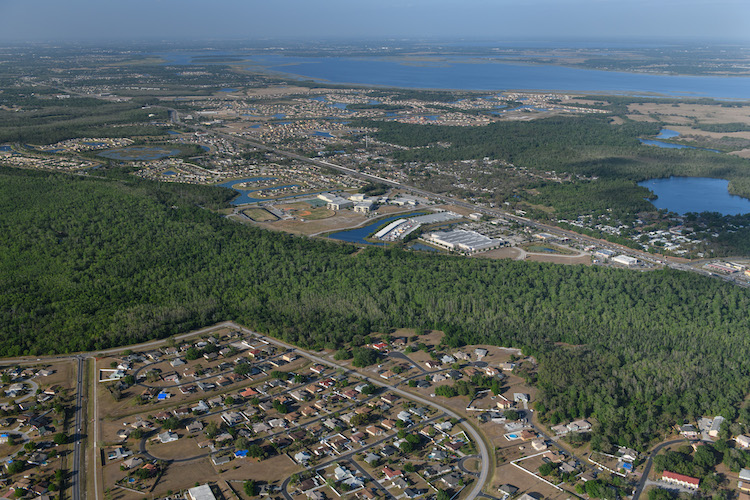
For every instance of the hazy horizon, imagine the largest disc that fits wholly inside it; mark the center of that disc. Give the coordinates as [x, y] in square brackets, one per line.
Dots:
[52, 21]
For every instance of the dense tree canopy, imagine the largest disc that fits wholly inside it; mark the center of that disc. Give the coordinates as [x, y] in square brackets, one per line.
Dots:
[89, 263]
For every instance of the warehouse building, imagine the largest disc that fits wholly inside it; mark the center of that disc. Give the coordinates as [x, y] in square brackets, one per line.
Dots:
[625, 260]
[462, 240]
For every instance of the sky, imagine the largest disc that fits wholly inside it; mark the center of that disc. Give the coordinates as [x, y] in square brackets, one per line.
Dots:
[92, 20]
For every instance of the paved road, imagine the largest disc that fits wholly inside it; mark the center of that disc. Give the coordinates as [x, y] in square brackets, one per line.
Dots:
[481, 445]
[404, 357]
[349, 454]
[493, 212]
[462, 465]
[75, 467]
[649, 462]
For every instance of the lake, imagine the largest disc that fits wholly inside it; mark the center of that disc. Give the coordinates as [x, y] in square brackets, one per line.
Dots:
[696, 194]
[666, 133]
[465, 73]
[359, 234]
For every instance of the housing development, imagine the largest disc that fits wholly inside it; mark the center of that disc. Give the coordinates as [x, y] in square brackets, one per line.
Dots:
[498, 405]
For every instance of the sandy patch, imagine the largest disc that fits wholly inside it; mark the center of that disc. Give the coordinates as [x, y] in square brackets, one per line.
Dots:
[501, 253]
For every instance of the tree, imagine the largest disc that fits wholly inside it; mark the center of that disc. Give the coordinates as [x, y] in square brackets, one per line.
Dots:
[241, 443]
[363, 356]
[511, 414]
[369, 389]
[406, 447]
[250, 488]
[359, 419]
[15, 467]
[60, 438]
[229, 401]
[171, 423]
[443, 495]
[546, 469]
[243, 369]
[212, 429]
[342, 354]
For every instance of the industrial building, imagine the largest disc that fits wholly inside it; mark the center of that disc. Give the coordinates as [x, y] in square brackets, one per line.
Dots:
[625, 260]
[463, 241]
[398, 229]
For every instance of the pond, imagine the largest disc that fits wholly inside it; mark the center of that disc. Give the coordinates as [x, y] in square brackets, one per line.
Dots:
[421, 246]
[666, 133]
[696, 194]
[359, 234]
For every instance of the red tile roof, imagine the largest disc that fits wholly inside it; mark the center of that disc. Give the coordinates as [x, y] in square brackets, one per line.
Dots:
[693, 481]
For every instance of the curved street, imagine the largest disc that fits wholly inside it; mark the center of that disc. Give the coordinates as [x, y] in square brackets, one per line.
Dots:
[649, 463]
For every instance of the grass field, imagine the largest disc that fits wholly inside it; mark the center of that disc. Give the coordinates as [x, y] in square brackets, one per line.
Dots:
[546, 248]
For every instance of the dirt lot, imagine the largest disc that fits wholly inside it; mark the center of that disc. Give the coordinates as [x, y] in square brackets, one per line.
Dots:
[502, 253]
[341, 220]
[509, 474]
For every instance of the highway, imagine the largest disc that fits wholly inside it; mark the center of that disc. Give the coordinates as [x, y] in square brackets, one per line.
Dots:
[492, 212]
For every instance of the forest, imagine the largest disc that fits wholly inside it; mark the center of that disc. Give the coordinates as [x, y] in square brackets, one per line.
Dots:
[589, 146]
[49, 120]
[89, 263]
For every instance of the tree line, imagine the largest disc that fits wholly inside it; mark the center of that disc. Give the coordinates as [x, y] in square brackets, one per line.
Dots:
[92, 263]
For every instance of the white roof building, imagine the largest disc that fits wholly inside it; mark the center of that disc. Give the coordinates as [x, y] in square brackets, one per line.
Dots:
[202, 492]
[625, 260]
[463, 241]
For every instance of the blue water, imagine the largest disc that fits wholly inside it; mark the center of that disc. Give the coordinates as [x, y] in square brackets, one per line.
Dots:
[320, 98]
[420, 246]
[696, 194]
[322, 134]
[169, 173]
[173, 132]
[205, 148]
[339, 105]
[4, 148]
[231, 184]
[257, 125]
[279, 116]
[666, 133]
[228, 90]
[669, 145]
[359, 234]
[245, 197]
[455, 73]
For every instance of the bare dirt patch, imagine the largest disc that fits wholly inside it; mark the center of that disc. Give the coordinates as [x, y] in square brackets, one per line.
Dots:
[560, 259]
[501, 253]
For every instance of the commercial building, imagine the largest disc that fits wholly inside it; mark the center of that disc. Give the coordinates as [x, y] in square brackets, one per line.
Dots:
[625, 260]
[335, 202]
[464, 241]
